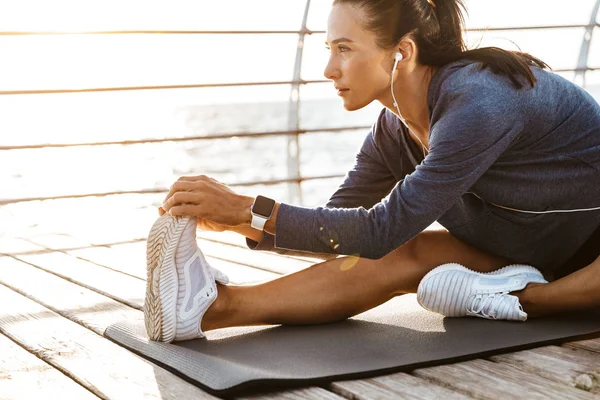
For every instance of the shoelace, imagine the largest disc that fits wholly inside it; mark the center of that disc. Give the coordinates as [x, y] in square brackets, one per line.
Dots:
[491, 299]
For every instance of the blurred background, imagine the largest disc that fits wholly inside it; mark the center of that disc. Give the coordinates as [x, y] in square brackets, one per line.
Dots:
[104, 104]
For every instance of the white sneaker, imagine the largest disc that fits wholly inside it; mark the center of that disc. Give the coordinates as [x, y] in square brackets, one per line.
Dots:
[455, 291]
[181, 284]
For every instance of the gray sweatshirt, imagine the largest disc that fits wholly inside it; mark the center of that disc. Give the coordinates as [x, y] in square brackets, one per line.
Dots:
[535, 149]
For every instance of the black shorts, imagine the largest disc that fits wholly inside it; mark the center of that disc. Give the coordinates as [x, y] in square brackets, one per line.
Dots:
[583, 257]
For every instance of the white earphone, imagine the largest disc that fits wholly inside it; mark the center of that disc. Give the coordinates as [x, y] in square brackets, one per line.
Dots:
[398, 57]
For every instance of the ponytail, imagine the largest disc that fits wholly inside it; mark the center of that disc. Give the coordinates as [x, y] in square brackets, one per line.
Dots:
[437, 27]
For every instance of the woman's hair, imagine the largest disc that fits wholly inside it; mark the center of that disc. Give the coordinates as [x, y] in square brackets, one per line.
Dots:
[437, 30]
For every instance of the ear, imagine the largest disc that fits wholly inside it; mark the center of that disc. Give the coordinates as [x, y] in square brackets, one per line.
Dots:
[407, 47]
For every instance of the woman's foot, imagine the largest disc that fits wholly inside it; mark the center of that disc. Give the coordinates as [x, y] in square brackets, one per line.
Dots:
[455, 291]
[180, 283]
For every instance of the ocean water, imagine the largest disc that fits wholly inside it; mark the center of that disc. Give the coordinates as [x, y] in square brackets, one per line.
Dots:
[47, 172]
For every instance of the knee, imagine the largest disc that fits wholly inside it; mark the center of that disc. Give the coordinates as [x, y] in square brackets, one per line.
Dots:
[408, 252]
[425, 250]
[403, 270]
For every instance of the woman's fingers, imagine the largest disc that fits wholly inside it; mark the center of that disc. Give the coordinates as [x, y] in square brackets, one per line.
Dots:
[182, 186]
[185, 210]
[183, 183]
[179, 198]
[194, 178]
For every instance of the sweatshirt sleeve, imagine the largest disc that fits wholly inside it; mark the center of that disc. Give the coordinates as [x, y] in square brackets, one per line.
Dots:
[472, 124]
[364, 186]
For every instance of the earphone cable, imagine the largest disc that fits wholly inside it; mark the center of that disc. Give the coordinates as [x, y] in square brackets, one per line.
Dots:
[400, 114]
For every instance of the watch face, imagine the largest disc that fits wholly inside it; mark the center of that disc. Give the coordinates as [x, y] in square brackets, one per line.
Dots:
[263, 206]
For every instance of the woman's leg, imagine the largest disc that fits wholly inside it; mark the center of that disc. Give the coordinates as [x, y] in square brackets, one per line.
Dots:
[577, 291]
[340, 288]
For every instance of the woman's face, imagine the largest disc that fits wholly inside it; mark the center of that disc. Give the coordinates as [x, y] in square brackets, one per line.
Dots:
[359, 69]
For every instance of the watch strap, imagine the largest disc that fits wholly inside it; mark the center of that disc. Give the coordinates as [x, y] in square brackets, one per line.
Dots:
[258, 222]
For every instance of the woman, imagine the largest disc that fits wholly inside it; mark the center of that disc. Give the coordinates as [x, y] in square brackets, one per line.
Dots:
[505, 155]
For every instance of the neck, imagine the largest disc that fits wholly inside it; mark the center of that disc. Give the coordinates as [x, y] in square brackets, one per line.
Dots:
[410, 89]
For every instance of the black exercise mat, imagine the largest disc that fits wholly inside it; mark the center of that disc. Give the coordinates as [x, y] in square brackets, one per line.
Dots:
[396, 336]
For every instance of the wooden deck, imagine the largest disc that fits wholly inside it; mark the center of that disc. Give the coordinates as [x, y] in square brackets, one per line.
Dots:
[70, 268]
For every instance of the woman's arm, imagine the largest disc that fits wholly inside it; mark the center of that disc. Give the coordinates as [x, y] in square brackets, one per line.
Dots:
[473, 123]
[365, 185]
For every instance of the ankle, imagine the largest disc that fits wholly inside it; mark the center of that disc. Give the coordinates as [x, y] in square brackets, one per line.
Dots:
[526, 297]
[214, 317]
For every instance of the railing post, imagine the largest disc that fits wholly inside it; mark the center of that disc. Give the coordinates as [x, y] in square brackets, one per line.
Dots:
[584, 52]
[293, 145]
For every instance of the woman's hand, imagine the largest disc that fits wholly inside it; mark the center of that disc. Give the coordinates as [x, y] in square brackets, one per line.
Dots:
[214, 204]
[202, 223]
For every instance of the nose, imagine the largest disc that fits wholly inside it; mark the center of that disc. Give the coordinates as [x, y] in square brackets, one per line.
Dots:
[332, 70]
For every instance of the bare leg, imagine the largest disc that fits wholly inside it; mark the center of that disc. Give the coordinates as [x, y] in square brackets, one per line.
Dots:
[580, 290]
[340, 288]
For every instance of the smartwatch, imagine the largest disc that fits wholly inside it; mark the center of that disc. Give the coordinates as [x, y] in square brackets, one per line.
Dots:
[261, 210]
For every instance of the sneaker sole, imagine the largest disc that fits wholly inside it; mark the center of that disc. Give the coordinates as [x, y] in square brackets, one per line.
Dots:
[160, 304]
[506, 271]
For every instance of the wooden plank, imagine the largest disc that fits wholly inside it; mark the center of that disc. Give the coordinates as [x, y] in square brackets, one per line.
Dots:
[58, 241]
[296, 394]
[567, 365]
[590, 345]
[10, 245]
[23, 376]
[222, 249]
[131, 259]
[81, 305]
[238, 240]
[265, 260]
[394, 386]
[88, 308]
[227, 237]
[490, 380]
[134, 266]
[261, 260]
[241, 274]
[121, 287]
[123, 219]
[101, 366]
